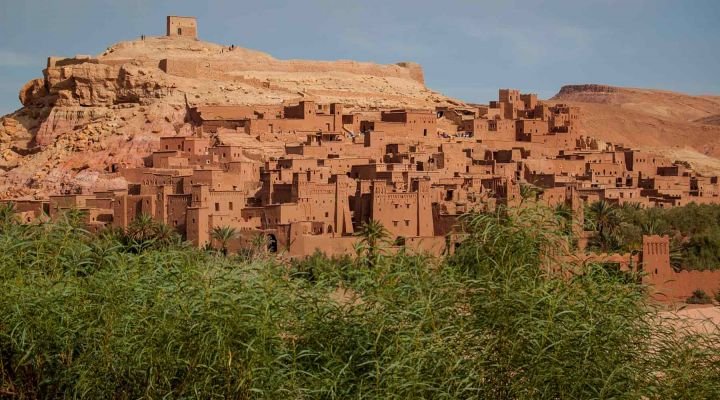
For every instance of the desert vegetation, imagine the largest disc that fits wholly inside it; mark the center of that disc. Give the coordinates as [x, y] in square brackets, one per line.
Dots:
[139, 314]
[699, 297]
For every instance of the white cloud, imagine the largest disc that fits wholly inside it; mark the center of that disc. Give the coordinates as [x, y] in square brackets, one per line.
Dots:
[10, 58]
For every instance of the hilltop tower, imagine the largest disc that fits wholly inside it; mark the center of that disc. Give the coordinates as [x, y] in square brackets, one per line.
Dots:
[181, 26]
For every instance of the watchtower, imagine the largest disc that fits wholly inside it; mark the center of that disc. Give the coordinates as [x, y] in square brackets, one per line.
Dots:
[181, 26]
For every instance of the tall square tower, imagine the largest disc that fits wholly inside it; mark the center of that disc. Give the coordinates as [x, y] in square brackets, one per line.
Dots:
[181, 26]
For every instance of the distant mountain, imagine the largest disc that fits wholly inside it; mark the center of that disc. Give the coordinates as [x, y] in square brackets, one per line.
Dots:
[678, 125]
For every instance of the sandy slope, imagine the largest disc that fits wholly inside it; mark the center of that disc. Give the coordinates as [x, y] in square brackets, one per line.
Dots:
[678, 125]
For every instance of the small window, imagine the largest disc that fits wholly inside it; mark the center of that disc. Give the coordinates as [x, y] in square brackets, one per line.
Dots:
[217, 206]
[230, 206]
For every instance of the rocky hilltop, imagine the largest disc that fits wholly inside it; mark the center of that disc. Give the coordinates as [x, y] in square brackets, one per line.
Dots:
[172, 68]
[660, 103]
[87, 113]
[677, 125]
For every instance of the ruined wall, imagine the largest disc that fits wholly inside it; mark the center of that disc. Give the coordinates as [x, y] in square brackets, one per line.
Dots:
[180, 67]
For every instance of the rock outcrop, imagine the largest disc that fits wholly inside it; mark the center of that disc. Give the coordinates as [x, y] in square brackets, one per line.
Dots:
[88, 113]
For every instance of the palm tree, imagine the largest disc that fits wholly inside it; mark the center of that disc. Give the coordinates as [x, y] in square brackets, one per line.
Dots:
[528, 192]
[373, 236]
[631, 212]
[142, 229]
[631, 206]
[677, 258]
[651, 227]
[165, 235]
[604, 216]
[605, 219]
[223, 234]
[564, 214]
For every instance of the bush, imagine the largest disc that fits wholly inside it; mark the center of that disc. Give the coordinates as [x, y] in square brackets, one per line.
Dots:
[683, 163]
[542, 335]
[699, 297]
[87, 316]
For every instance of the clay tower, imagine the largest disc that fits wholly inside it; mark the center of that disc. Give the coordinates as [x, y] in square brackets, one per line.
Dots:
[181, 26]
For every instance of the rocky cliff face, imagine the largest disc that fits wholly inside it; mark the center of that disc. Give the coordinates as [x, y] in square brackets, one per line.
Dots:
[88, 113]
[570, 90]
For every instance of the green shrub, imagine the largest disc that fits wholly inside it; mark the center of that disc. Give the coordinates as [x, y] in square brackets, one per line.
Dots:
[699, 297]
[683, 163]
[87, 316]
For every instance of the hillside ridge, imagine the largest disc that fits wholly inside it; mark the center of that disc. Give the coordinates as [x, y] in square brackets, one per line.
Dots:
[682, 126]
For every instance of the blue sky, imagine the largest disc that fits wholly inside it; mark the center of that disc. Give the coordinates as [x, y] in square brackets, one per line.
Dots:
[467, 48]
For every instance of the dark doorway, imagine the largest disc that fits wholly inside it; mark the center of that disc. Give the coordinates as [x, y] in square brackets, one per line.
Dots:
[272, 244]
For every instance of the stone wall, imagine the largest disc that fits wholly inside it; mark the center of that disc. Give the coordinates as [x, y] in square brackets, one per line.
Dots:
[180, 67]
